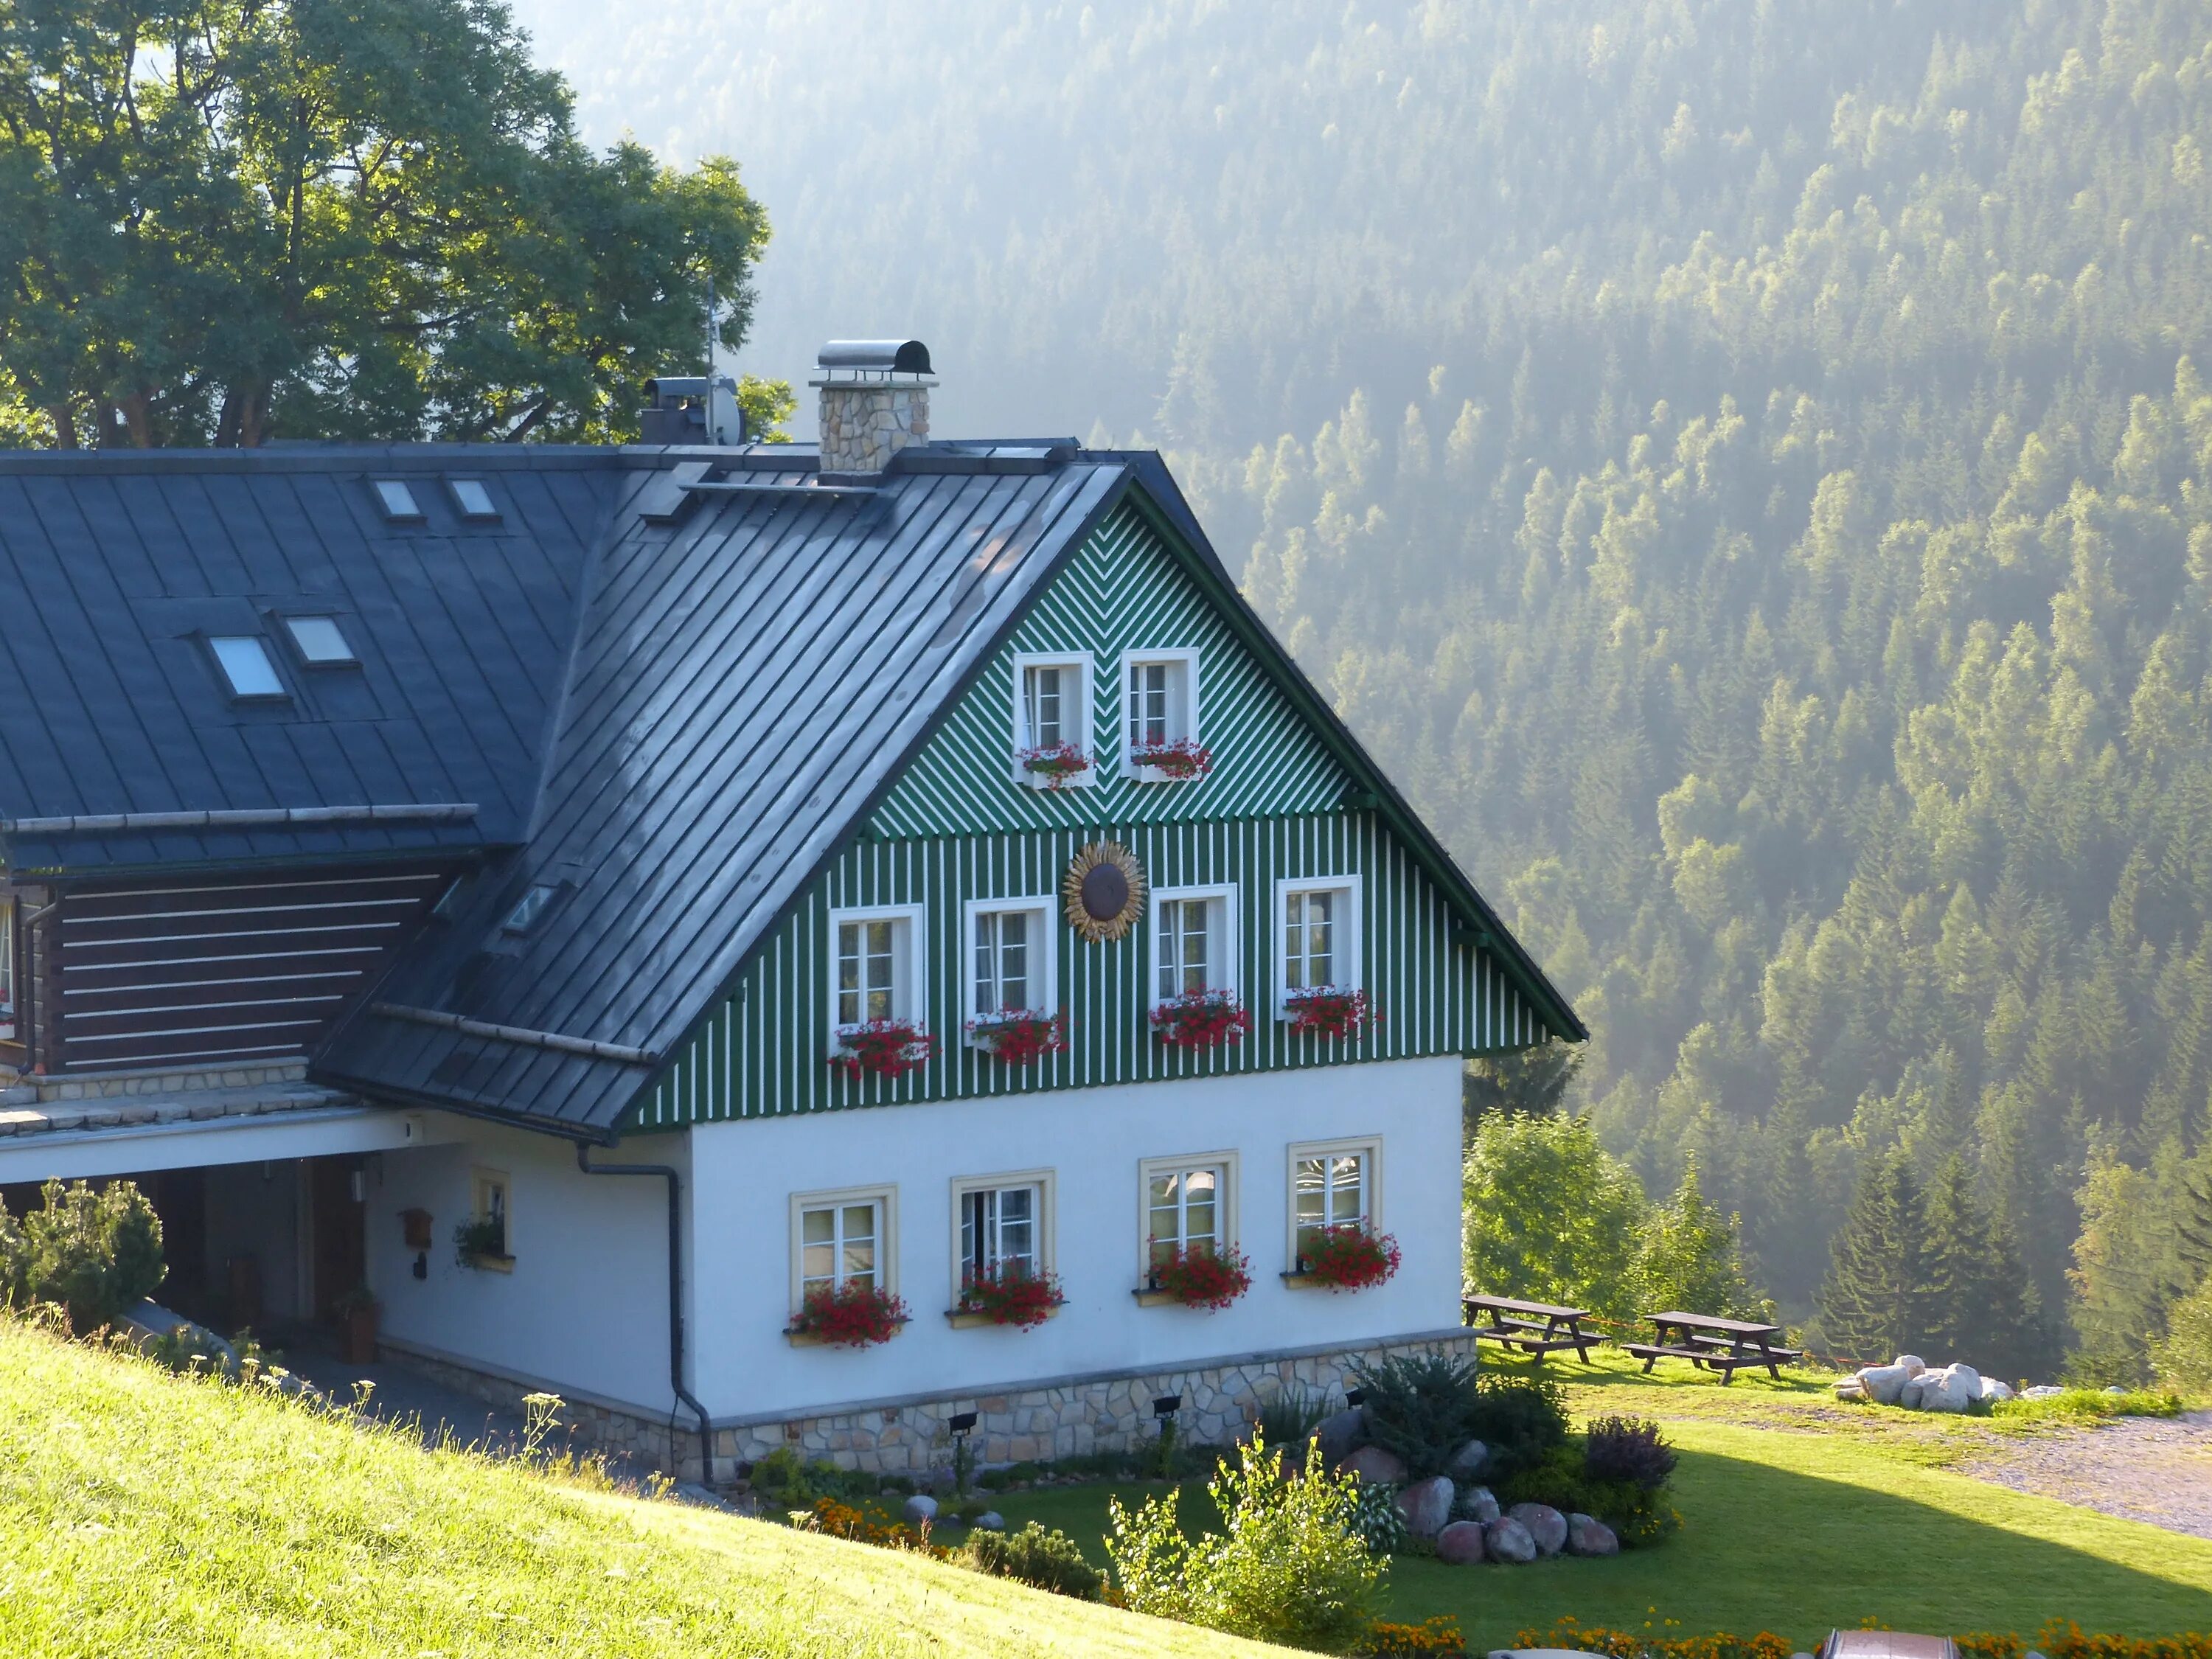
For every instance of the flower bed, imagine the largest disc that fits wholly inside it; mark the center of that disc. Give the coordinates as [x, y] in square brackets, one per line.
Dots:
[1020, 1037]
[1013, 1297]
[885, 1047]
[1203, 1278]
[1328, 1011]
[1183, 758]
[1350, 1257]
[849, 1315]
[1201, 1019]
[1055, 763]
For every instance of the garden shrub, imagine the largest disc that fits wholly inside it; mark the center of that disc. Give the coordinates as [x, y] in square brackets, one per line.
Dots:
[1424, 1407]
[1627, 1450]
[1290, 1415]
[1378, 1520]
[1638, 1515]
[2086, 1405]
[1522, 1421]
[782, 1480]
[1043, 1560]
[1288, 1566]
[95, 1253]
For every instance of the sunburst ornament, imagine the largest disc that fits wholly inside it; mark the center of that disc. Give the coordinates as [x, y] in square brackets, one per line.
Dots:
[1103, 891]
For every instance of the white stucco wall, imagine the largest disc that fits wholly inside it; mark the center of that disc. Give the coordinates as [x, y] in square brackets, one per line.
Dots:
[585, 1310]
[1094, 1140]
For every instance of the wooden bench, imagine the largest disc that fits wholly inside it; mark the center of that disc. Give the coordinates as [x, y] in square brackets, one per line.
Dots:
[1532, 1328]
[1711, 1343]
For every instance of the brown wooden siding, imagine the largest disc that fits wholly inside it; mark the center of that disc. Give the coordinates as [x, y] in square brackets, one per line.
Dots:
[185, 971]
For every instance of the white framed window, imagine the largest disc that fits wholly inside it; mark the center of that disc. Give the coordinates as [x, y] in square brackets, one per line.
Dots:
[1052, 707]
[1194, 942]
[1159, 705]
[875, 966]
[247, 669]
[847, 1235]
[491, 1194]
[1317, 938]
[7, 969]
[1002, 1224]
[1188, 1203]
[1333, 1183]
[1012, 958]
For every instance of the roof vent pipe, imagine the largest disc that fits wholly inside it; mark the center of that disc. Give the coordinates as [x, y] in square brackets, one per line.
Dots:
[875, 402]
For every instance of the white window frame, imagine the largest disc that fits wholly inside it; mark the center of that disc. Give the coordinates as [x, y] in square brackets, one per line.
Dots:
[7, 968]
[1044, 949]
[1084, 722]
[915, 956]
[1231, 978]
[1350, 936]
[1047, 1183]
[884, 1197]
[1187, 659]
[1225, 1164]
[1369, 1146]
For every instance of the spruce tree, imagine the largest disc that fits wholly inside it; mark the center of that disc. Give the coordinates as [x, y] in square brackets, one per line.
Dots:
[1978, 1299]
[1875, 1302]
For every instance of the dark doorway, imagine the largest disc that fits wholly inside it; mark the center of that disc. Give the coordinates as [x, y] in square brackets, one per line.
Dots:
[341, 1254]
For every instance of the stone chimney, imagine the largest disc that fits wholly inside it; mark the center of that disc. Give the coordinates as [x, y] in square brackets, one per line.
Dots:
[875, 401]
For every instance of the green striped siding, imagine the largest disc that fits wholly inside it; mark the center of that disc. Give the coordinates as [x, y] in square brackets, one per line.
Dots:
[956, 827]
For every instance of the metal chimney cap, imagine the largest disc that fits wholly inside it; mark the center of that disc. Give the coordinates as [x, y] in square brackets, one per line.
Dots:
[876, 356]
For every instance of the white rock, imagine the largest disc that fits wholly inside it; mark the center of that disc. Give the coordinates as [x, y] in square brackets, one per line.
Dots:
[918, 1508]
[1909, 1395]
[1911, 1364]
[1850, 1389]
[1994, 1390]
[1951, 1389]
[2041, 1391]
[1883, 1383]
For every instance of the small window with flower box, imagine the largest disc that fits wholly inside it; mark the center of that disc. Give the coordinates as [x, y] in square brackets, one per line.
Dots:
[1196, 981]
[1319, 984]
[844, 1268]
[1336, 1238]
[1002, 1266]
[486, 1240]
[876, 990]
[1160, 739]
[1188, 1222]
[1013, 990]
[1052, 729]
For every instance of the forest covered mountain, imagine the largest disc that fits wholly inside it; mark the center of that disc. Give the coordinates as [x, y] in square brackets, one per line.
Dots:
[1747, 467]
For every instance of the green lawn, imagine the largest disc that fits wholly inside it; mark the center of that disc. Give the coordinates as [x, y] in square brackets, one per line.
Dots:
[1798, 1516]
[143, 1514]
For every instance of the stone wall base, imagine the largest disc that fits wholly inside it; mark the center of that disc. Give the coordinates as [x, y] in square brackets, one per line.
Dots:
[1056, 1419]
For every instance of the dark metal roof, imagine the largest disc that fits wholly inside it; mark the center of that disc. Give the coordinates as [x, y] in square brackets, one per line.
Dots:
[116, 566]
[747, 680]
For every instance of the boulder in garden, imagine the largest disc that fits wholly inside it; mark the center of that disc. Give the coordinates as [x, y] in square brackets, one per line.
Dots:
[1426, 1505]
[1885, 1384]
[918, 1508]
[1588, 1535]
[1909, 1395]
[1340, 1432]
[1547, 1527]
[1911, 1364]
[1460, 1544]
[1371, 1466]
[1475, 1503]
[1507, 1540]
[1951, 1389]
[1467, 1462]
[1993, 1390]
[2042, 1391]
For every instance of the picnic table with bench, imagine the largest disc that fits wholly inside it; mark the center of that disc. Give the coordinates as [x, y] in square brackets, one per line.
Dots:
[1725, 1345]
[1534, 1327]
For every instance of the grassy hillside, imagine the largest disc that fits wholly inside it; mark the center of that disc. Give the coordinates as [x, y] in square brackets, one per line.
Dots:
[142, 1514]
[1799, 1516]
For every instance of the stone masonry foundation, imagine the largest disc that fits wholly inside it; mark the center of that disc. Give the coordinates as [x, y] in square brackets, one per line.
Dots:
[1054, 1418]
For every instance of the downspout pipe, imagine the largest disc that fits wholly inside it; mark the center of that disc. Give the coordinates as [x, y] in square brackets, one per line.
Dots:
[669, 1173]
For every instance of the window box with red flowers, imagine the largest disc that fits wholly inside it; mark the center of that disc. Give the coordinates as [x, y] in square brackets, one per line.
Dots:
[1199, 1276]
[1020, 1037]
[1349, 1256]
[1328, 1011]
[1201, 1019]
[882, 1048]
[854, 1315]
[1174, 761]
[1014, 1294]
[1053, 765]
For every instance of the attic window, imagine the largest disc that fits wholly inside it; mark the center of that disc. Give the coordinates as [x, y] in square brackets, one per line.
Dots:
[246, 666]
[472, 499]
[529, 910]
[397, 500]
[319, 642]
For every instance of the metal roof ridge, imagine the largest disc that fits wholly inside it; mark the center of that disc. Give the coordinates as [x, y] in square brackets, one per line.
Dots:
[246, 817]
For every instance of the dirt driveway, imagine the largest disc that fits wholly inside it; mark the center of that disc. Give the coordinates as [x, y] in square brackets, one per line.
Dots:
[2157, 1469]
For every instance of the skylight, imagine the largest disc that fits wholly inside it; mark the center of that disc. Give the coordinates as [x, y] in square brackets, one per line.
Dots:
[318, 641]
[472, 498]
[245, 663]
[527, 913]
[397, 500]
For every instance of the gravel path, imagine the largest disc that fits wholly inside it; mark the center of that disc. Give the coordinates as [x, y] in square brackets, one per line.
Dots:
[2157, 1469]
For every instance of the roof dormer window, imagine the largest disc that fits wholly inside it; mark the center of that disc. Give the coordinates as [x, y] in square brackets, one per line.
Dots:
[319, 642]
[472, 501]
[244, 660]
[398, 501]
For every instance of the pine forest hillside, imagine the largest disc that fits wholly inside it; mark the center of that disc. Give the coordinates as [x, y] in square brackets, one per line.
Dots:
[1747, 466]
